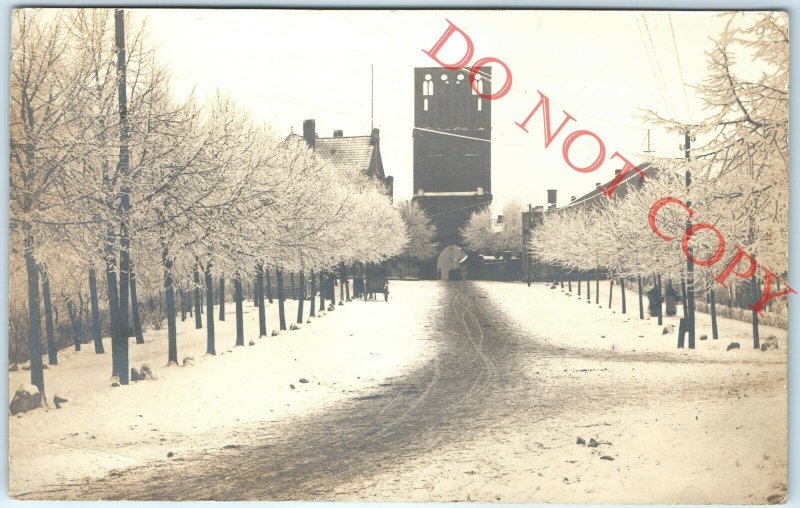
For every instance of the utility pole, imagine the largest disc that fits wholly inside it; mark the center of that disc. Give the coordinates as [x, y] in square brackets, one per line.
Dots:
[687, 145]
[122, 170]
[528, 243]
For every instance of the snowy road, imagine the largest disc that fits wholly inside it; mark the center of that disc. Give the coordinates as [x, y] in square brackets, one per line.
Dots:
[478, 381]
[465, 386]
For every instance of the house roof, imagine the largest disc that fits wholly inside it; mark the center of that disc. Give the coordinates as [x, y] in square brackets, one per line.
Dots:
[631, 179]
[357, 151]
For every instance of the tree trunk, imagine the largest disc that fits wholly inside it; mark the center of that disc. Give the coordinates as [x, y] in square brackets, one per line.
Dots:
[281, 299]
[262, 312]
[76, 324]
[660, 301]
[597, 290]
[641, 302]
[344, 283]
[301, 297]
[183, 304]
[137, 320]
[312, 310]
[610, 291]
[239, 297]
[222, 298]
[579, 286]
[34, 318]
[569, 283]
[291, 279]
[169, 292]
[712, 303]
[210, 338]
[588, 287]
[269, 285]
[96, 333]
[321, 291]
[256, 300]
[622, 289]
[683, 297]
[341, 282]
[198, 319]
[113, 299]
[52, 355]
[755, 292]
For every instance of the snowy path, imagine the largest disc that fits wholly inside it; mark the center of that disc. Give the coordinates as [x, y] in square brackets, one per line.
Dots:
[493, 414]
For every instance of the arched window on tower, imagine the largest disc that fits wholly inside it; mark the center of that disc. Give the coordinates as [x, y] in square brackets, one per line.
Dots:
[427, 90]
[479, 86]
[427, 85]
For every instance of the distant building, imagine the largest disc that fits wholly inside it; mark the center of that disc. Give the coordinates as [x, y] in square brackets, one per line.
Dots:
[452, 152]
[362, 152]
[594, 198]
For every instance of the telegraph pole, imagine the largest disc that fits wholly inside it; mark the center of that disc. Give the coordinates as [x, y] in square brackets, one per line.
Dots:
[122, 170]
[687, 145]
[528, 246]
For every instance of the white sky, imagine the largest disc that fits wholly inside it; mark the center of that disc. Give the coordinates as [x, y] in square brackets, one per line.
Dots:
[287, 65]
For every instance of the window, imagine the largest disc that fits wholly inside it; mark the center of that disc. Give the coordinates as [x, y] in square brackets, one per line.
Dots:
[427, 86]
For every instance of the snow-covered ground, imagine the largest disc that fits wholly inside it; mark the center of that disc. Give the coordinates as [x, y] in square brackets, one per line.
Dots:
[215, 402]
[673, 426]
[564, 318]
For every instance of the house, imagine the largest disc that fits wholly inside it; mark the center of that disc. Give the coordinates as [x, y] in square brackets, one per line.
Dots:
[363, 152]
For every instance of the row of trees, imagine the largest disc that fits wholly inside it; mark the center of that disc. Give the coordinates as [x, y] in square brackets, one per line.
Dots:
[114, 178]
[738, 176]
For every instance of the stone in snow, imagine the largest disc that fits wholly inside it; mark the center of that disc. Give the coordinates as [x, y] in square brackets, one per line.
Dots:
[592, 443]
[580, 441]
[668, 329]
[340, 302]
[303, 380]
[59, 400]
[187, 361]
[26, 397]
[606, 457]
[704, 337]
[294, 326]
[136, 375]
[291, 386]
[275, 332]
[147, 372]
[170, 455]
[252, 342]
[732, 345]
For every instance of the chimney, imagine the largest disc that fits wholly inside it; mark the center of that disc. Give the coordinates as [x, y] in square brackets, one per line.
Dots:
[571, 199]
[375, 137]
[617, 172]
[551, 197]
[597, 185]
[499, 219]
[309, 132]
[338, 134]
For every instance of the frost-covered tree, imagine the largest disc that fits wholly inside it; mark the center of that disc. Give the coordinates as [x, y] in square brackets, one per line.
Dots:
[421, 231]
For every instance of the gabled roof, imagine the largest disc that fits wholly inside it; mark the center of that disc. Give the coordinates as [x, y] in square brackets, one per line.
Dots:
[355, 151]
[632, 179]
